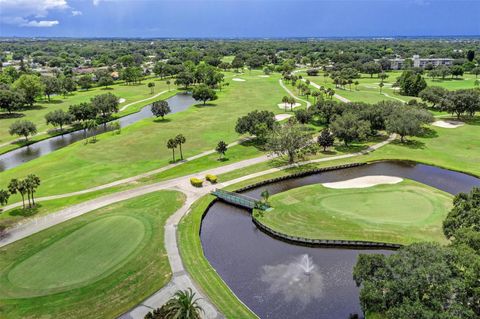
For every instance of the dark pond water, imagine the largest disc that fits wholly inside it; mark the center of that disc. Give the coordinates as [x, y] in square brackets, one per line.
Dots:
[19, 156]
[280, 280]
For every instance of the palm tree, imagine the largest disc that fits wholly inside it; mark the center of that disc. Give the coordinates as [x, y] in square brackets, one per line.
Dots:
[151, 85]
[285, 101]
[381, 86]
[291, 101]
[180, 139]
[172, 144]
[168, 83]
[32, 182]
[183, 305]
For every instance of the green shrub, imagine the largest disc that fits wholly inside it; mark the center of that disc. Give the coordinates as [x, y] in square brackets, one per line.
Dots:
[211, 178]
[197, 182]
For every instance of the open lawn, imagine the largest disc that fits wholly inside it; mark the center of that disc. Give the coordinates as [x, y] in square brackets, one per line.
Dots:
[98, 265]
[402, 213]
[130, 93]
[141, 146]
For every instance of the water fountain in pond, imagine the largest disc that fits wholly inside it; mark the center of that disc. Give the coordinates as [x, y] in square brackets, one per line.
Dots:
[298, 280]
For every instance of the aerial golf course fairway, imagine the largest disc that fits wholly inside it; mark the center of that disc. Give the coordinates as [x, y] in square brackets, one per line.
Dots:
[401, 213]
[98, 265]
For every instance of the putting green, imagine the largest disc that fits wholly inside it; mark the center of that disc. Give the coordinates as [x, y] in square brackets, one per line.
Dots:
[401, 213]
[85, 255]
[98, 265]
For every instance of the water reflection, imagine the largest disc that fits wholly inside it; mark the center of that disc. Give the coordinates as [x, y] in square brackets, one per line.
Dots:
[21, 155]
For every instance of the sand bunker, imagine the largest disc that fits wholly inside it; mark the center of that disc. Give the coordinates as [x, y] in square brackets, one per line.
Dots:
[281, 117]
[264, 76]
[448, 124]
[365, 181]
[287, 106]
[121, 100]
[238, 80]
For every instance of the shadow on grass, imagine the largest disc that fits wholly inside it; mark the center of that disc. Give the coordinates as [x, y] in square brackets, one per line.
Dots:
[160, 120]
[428, 133]
[26, 212]
[107, 89]
[412, 144]
[201, 105]
[11, 115]
[53, 102]
[223, 159]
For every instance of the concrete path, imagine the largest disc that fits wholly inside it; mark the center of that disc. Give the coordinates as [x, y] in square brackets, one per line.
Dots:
[125, 180]
[338, 97]
[149, 98]
[293, 95]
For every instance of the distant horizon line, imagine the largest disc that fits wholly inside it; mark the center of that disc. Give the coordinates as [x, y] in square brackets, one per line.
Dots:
[371, 37]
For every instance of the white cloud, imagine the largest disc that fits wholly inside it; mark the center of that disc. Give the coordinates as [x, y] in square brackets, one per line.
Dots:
[76, 13]
[96, 2]
[37, 8]
[21, 22]
[41, 23]
[31, 13]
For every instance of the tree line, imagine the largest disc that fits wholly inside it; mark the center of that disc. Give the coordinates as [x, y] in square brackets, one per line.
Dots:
[428, 280]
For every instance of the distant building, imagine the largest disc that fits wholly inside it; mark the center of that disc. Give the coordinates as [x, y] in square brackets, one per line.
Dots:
[398, 63]
[421, 63]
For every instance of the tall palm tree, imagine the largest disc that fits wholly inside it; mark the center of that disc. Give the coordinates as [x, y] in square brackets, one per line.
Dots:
[180, 139]
[172, 144]
[285, 101]
[183, 305]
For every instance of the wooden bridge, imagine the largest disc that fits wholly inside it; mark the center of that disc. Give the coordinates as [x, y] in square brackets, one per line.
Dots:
[240, 199]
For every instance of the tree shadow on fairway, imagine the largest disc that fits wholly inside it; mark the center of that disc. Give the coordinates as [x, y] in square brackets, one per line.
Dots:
[11, 115]
[53, 101]
[201, 105]
[160, 120]
[26, 212]
[428, 133]
[473, 120]
[412, 144]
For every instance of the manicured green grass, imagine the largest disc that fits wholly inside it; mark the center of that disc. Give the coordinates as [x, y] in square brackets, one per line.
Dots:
[130, 93]
[141, 146]
[200, 269]
[98, 265]
[402, 213]
[465, 82]
[367, 91]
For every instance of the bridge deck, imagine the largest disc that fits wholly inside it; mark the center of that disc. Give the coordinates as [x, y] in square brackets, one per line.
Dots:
[239, 199]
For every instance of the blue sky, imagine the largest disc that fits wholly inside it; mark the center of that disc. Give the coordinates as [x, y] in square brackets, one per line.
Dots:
[238, 18]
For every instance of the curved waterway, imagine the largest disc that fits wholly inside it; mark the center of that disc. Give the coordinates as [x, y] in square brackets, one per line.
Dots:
[276, 279]
[24, 154]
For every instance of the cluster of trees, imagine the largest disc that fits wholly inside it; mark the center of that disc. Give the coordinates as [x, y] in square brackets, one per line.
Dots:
[175, 142]
[411, 83]
[427, 280]
[347, 122]
[202, 73]
[458, 102]
[85, 115]
[25, 187]
[355, 121]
